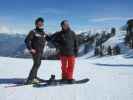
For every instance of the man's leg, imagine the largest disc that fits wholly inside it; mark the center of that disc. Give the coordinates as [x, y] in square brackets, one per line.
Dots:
[36, 65]
[64, 66]
[70, 69]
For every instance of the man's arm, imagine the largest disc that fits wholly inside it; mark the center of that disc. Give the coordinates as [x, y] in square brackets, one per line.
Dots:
[55, 39]
[48, 38]
[75, 44]
[28, 40]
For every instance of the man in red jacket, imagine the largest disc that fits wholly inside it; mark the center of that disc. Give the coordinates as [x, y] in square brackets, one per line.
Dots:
[66, 41]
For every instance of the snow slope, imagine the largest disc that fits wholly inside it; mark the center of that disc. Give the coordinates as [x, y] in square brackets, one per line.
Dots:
[118, 39]
[111, 78]
[115, 40]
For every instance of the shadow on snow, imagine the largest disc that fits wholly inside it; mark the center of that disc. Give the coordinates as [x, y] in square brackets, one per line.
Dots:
[12, 80]
[115, 65]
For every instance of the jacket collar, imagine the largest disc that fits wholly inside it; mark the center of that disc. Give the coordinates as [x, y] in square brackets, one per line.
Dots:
[39, 30]
[65, 31]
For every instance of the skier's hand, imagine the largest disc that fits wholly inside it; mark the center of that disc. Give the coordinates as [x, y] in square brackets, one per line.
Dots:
[33, 51]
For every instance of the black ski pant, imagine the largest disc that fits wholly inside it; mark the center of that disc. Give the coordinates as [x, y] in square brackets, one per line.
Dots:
[36, 64]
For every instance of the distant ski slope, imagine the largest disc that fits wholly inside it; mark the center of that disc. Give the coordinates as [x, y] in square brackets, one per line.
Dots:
[118, 39]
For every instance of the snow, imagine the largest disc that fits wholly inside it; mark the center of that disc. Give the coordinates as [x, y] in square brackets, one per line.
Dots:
[111, 78]
[117, 39]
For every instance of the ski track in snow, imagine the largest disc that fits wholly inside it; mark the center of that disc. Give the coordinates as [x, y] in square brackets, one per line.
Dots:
[111, 78]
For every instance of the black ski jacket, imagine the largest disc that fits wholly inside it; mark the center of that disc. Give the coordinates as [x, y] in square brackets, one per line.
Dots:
[36, 40]
[66, 42]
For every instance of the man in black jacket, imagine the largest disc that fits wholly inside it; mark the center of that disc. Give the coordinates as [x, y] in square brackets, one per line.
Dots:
[66, 41]
[35, 42]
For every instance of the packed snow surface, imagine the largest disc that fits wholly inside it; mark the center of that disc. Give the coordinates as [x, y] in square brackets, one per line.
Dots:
[111, 78]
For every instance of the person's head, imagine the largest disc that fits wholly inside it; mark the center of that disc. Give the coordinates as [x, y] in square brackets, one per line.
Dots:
[39, 23]
[65, 25]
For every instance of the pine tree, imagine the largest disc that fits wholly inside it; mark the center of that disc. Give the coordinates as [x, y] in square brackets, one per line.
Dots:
[113, 31]
[96, 51]
[101, 50]
[116, 50]
[129, 35]
[109, 50]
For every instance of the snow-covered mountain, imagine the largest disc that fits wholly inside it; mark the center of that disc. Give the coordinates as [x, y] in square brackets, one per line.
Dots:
[13, 44]
[116, 40]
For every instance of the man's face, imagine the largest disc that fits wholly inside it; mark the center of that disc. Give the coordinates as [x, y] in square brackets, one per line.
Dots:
[40, 25]
[66, 26]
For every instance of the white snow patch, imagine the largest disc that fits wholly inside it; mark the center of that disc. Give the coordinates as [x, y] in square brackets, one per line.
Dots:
[111, 78]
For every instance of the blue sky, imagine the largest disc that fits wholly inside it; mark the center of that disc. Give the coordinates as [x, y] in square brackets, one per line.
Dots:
[19, 15]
